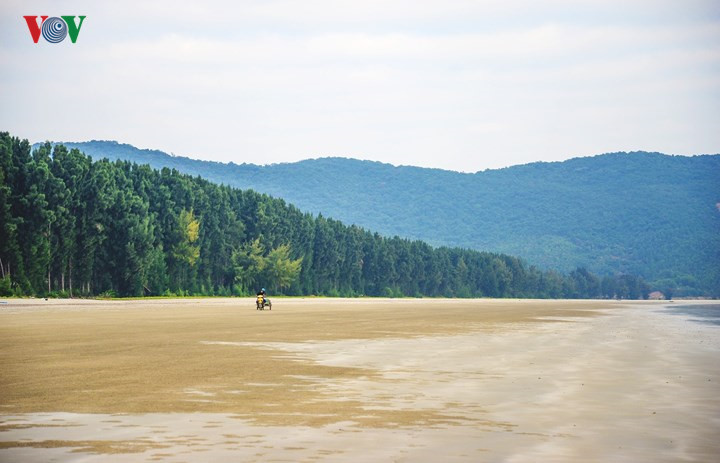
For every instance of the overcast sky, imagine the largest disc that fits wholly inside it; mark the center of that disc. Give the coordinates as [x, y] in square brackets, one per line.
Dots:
[461, 85]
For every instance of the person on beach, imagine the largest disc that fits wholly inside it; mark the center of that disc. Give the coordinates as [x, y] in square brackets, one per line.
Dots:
[262, 293]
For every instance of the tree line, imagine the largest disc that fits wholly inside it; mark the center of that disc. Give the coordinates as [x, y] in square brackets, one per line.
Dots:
[77, 227]
[638, 213]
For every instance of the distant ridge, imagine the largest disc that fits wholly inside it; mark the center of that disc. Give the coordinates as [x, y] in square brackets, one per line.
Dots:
[649, 214]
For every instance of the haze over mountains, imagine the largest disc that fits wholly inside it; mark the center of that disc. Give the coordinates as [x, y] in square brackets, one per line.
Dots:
[649, 214]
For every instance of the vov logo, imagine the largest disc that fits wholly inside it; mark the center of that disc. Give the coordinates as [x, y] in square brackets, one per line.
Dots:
[54, 29]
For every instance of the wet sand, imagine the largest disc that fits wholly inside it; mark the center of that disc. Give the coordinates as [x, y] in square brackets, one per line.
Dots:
[356, 380]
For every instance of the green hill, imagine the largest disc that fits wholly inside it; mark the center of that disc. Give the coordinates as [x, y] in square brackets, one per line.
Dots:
[73, 226]
[642, 213]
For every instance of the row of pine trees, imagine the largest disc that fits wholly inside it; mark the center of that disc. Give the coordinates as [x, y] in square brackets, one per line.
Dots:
[77, 227]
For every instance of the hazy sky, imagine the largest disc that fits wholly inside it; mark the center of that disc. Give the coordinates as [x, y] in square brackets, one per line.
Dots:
[461, 85]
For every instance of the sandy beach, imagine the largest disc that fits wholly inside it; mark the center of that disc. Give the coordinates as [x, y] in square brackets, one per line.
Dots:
[424, 380]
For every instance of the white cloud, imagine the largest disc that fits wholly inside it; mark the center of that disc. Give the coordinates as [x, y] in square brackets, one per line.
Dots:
[460, 84]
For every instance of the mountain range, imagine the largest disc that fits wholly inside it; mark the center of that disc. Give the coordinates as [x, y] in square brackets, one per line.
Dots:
[649, 214]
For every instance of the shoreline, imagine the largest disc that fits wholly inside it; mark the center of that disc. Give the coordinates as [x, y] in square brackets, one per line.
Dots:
[335, 381]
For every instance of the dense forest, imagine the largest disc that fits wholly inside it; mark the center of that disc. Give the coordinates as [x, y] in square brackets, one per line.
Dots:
[73, 226]
[646, 214]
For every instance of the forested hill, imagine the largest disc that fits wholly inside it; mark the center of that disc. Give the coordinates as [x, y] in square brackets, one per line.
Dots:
[74, 226]
[642, 213]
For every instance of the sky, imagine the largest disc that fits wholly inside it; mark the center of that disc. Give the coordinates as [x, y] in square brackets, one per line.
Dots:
[451, 84]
